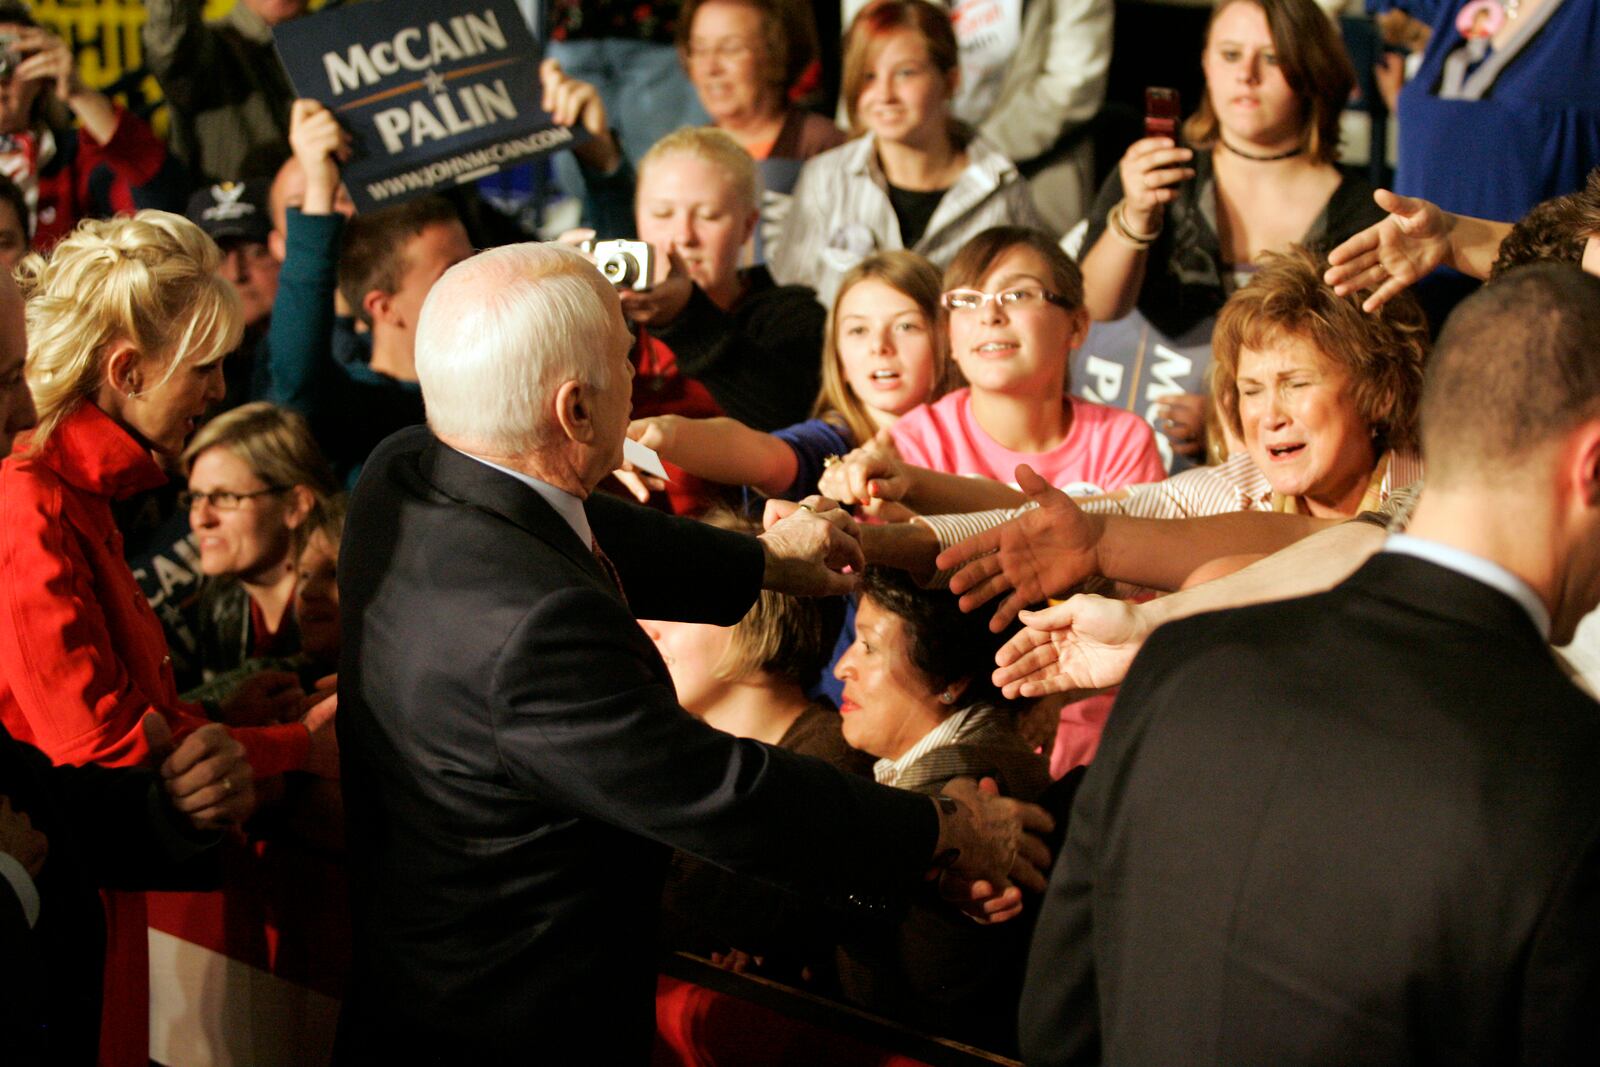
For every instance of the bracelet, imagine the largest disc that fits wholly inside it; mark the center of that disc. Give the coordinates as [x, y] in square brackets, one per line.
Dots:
[1119, 227]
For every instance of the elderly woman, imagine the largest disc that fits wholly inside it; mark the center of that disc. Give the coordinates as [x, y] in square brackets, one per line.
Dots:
[918, 696]
[744, 58]
[255, 474]
[128, 322]
[914, 177]
[1178, 226]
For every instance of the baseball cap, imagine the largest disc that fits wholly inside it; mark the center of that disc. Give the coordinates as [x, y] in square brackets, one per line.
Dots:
[232, 210]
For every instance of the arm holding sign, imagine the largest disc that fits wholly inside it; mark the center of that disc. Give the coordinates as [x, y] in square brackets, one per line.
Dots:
[608, 178]
[300, 337]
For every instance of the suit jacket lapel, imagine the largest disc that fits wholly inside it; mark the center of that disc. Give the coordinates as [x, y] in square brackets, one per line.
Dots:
[472, 484]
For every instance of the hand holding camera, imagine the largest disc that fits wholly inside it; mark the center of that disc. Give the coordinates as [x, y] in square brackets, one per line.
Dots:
[661, 303]
[33, 53]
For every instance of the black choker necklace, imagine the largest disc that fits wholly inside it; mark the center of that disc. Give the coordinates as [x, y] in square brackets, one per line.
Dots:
[1263, 159]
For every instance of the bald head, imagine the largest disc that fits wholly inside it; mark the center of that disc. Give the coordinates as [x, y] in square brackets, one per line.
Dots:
[501, 331]
[1517, 367]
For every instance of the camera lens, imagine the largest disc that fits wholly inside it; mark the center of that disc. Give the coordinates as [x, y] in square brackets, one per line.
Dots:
[620, 269]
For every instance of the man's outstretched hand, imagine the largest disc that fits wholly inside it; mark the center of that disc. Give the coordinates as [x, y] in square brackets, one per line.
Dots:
[1040, 553]
[1086, 643]
[998, 850]
[809, 547]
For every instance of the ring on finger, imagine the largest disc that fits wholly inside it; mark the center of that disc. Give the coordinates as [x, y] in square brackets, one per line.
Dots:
[227, 786]
[806, 507]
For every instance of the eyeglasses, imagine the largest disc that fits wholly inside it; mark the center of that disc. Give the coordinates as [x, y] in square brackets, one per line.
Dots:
[1025, 296]
[729, 51]
[223, 500]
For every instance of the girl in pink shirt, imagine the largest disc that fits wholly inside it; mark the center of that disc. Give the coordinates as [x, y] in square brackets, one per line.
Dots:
[1014, 309]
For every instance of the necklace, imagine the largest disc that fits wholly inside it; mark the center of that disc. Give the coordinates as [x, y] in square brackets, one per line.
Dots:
[1297, 150]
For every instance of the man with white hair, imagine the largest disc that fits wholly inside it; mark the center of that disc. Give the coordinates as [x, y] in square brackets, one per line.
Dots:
[515, 762]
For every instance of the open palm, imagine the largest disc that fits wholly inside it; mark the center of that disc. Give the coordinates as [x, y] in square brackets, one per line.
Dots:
[1085, 643]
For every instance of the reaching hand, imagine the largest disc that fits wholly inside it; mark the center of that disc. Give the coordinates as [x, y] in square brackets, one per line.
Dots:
[322, 759]
[809, 546]
[1086, 643]
[656, 433]
[1040, 553]
[1393, 254]
[869, 473]
[20, 841]
[998, 846]
[207, 777]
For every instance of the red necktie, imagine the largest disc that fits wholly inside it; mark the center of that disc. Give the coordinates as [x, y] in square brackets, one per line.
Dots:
[607, 566]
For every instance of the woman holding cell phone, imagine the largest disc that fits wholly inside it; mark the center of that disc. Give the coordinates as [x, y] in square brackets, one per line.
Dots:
[1177, 226]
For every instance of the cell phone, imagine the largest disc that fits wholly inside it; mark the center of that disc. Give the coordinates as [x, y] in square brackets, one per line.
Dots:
[1161, 112]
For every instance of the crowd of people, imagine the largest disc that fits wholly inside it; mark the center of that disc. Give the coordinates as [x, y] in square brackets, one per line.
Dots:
[318, 516]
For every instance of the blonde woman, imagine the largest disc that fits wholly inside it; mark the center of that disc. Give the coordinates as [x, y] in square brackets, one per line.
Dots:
[128, 321]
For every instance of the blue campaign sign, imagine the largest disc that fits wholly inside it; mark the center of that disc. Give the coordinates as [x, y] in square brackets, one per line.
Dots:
[434, 94]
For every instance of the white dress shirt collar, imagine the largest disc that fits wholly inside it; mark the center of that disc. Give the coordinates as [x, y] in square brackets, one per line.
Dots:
[1476, 567]
[568, 506]
[888, 771]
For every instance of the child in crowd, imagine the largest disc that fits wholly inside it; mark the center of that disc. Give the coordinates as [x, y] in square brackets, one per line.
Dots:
[1014, 310]
[882, 356]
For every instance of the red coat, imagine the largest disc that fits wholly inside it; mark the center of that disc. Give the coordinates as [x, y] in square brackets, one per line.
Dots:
[82, 656]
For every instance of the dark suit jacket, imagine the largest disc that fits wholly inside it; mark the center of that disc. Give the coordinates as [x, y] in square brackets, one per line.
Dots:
[106, 828]
[1355, 828]
[515, 764]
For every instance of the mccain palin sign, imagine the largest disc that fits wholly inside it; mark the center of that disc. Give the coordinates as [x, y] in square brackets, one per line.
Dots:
[434, 94]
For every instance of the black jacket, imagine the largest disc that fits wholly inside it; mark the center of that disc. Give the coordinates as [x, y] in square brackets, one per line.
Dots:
[1353, 828]
[515, 764]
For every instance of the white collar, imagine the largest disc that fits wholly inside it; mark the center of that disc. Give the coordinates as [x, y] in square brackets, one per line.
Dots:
[1476, 567]
[888, 771]
[568, 506]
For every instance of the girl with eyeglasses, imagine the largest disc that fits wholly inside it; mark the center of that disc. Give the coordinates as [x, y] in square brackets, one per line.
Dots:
[255, 474]
[1013, 312]
[882, 356]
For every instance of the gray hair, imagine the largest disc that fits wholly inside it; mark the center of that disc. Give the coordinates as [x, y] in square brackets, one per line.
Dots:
[499, 332]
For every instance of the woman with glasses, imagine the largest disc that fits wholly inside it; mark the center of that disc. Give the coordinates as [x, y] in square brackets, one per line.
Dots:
[255, 474]
[746, 58]
[914, 177]
[127, 322]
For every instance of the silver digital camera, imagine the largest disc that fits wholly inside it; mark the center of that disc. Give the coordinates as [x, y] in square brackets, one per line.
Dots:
[625, 264]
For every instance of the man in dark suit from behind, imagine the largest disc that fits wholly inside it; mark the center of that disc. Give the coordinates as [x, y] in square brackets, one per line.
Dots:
[514, 760]
[1361, 827]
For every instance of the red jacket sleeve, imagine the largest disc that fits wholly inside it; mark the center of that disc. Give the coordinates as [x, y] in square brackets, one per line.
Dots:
[60, 661]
